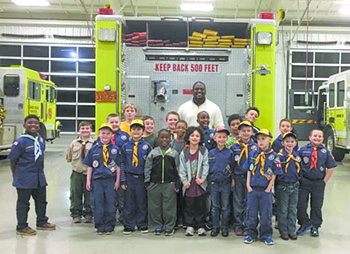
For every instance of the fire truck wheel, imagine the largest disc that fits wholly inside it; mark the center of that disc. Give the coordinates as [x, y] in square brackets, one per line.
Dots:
[42, 131]
[338, 153]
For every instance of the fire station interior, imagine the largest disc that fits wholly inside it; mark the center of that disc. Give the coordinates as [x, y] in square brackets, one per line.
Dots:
[57, 38]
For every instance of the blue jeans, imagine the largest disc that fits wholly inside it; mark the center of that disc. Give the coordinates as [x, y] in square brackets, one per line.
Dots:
[287, 201]
[259, 204]
[220, 198]
[239, 195]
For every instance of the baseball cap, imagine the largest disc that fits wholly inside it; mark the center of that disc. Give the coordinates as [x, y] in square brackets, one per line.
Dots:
[289, 134]
[106, 126]
[244, 123]
[222, 129]
[264, 132]
[138, 122]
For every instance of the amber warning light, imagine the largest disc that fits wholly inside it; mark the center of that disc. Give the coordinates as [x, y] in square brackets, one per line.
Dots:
[106, 10]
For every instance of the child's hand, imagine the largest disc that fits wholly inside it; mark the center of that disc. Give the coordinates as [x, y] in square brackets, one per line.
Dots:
[187, 185]
[176, 190]
[113, 169]
[88, 186]
[249, 189]
[116, 185]
[233, 184]
[268, 177]
[200, 181]
[124, 187]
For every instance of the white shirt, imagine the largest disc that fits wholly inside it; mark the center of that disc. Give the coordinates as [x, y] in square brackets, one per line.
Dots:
[189, 110]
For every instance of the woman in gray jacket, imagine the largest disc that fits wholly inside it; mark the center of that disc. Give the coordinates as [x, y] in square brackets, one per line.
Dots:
[193, 171]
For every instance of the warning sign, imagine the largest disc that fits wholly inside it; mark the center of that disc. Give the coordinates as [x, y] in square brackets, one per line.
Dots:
[187, 67]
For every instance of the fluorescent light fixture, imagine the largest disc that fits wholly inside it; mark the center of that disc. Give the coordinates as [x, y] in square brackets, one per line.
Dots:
[345, 10]
[73, 54]
[196, 7]
[31, 2]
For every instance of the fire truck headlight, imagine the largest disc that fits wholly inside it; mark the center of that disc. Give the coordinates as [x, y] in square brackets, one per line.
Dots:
[106, 34]
[264, 38]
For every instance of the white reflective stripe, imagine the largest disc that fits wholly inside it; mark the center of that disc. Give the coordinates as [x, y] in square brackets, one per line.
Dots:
[341, 133]
[50, 126]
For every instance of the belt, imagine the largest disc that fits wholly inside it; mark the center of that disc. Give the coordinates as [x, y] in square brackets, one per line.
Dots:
[289, 185]
[134, 175]
[221, 181]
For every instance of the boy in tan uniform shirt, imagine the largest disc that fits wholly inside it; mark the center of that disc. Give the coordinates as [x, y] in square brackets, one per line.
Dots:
[80, 205]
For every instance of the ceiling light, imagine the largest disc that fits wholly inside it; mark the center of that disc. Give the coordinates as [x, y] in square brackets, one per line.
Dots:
[196, 7]
[31, 2]
[345, 10]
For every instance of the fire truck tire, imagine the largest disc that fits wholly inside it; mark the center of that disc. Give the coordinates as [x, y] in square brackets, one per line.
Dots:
[337, 153]
[42, 131]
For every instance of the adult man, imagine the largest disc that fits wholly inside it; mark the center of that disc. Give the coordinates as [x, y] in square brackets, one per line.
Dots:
[189, 110]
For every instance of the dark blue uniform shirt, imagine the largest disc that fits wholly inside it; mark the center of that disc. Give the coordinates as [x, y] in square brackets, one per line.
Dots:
[126, 153]
[325, 160]
[272, 167]
[277, 144]
[95, 159]
[255, 131]
[221, 164]
[292, 175]
[209, 139]
[243, 166]
[29, 173]
[119, 138]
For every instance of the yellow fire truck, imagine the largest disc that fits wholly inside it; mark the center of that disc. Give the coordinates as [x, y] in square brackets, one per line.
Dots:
[153, 62]
[24, 92]
[333, 113]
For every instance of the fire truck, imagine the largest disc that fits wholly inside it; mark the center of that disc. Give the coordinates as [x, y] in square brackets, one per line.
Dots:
[24, 92]
[153, 62]
[333, 114]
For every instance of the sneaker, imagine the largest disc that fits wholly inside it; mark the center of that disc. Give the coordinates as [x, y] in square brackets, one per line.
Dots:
[88, 219]
[158, 231]
[46, 226]
[239, 233]
[76, 220]
[108, 232]
[189, 231]
[224, 232]
[293, 236]
[169, 232]
[202, 232]
[100, 233]
[26, 231]
[144, 230]
[302, 230]
[127, 231]
[214, 232]
[284, 237]
[314, 232]
[248, 240]
[269, 241]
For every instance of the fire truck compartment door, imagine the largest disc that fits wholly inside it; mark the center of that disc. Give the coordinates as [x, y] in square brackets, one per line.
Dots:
[138, 92]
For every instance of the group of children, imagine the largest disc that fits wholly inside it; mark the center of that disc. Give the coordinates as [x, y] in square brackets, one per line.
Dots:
[160, 182]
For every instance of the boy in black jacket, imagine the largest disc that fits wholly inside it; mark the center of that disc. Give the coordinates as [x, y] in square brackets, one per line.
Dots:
[161, 178]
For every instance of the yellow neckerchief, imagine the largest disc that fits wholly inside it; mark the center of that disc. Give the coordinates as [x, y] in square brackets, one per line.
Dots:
[135, 159]
[105, 154]
[261, 157]
[244, 150]
[289, 157]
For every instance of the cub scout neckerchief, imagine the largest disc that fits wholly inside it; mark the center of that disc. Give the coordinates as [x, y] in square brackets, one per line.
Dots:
[105, 155]
[135, 160]
[261, 158]
[314, 158]
[290, 157]
[37, 149]
[169, 150]
[244, 150]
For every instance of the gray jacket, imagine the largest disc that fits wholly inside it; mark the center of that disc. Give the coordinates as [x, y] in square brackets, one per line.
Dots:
[185, 167]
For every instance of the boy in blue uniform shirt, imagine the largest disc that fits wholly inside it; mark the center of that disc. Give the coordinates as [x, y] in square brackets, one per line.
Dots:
[287, 187]
[285, 127]
[221, 180]
[260, 179]
[242, 151]
[203, 121]
[102, 179]
[317, 166]
[133, 158]
[27, 166]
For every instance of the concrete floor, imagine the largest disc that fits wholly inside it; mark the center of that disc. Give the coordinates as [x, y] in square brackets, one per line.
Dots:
[81, 238]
